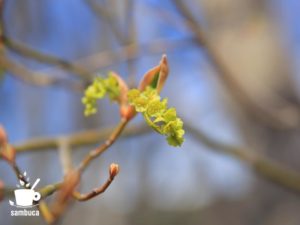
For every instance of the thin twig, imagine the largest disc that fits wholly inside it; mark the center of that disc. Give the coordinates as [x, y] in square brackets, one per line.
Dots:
[97, 151]
[33, 54]
[106, 14]
[49, 189]
[262, 166]
[28, 52]
[97, 191]
[123, 38]
[78, 139]
[131, 38]
[269, 117]
[65, 155]
[20, 176]
[129, 52]
[74, 176]
[33, 78]
[113, 171]
[18, 173]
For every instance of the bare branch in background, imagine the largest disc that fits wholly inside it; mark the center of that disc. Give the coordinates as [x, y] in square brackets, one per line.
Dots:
[105, 13]
[131, 38]
[38, 79]
[129, 52]
[270, 118]
[262, 166]
[76, 140]
[25, 51]
[124, 38]
[38, 56]
[65, 154]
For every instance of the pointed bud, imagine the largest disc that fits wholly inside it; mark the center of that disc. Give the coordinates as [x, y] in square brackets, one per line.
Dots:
[113, 170]
[156, 76]
[127, 112]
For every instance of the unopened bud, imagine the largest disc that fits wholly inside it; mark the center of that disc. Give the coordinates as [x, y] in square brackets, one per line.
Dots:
[113, 170]
[127, 112]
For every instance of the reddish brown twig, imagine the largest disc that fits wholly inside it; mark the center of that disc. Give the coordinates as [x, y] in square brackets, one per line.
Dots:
[113, 171]
[97, 151]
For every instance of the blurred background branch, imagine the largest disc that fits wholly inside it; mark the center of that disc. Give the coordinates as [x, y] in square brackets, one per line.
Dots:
[271, 118]
[254, 102]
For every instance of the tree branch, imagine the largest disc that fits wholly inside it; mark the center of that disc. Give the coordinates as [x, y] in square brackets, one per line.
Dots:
[33, 78]
[33, 54]
[105, 14]
[75, 140]
[269, 117]
[128, 52]
[65, 155]
[113, 171]
[100, 149]
[28, 52]
[263, 167]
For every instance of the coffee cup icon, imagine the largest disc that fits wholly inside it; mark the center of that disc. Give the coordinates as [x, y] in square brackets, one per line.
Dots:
[25, 197]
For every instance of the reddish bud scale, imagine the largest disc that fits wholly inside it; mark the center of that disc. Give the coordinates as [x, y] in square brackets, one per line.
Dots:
[127, 112]
[161, 70]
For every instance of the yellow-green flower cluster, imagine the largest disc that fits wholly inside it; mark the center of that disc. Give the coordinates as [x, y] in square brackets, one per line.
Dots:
[97, 90]
[157, 115]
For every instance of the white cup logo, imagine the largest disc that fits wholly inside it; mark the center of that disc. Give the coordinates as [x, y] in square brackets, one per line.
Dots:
[25, 197]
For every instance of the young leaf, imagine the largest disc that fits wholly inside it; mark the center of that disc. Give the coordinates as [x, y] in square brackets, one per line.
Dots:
[156, 77]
